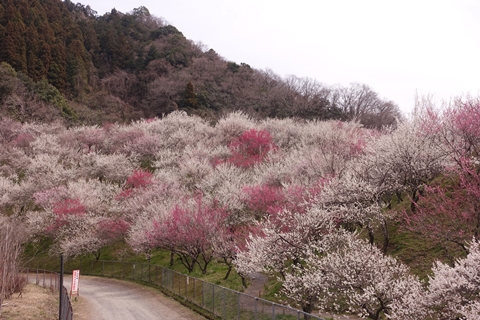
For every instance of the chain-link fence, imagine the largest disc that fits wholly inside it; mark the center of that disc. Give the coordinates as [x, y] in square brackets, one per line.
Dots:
[51, 280]
[217, 301]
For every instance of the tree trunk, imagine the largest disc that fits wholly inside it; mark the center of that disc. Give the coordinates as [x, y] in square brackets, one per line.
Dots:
[371, 236]
[386, 237]
[228, 271]
[244, 282]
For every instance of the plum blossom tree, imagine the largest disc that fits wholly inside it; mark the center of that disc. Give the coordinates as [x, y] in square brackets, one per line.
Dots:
[356, 277]
[225, 185]
[357, 203]
[188, 231]
[194, 166]
[229, 240]
[63, 211]
[106, 167]
[404, 159]
[232, 126]
[453, 291]
[334, 143]
[177, 130]
[77, 216]
[449, 211]
[84, 138]
[286, 133]
[281, 245]
[139, 179]
[250, 147]
[266, 201]
[320, 264]
[455, 126]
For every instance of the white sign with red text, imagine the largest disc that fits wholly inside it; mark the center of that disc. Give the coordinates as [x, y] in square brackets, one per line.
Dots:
[75, 279]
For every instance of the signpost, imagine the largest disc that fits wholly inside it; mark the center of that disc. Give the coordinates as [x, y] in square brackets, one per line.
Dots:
[74, 289]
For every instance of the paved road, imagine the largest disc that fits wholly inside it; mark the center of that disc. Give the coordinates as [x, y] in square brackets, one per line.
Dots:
[111, 299]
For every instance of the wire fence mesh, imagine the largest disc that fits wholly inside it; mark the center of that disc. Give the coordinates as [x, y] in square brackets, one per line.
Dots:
[51, 280]
[217, 301]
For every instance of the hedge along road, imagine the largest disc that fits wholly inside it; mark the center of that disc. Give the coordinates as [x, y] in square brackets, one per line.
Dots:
[111, 299]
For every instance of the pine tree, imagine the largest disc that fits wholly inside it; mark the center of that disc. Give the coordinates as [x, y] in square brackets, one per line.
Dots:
[190, 98]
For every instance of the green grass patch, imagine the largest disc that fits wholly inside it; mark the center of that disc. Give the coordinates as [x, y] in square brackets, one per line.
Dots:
[37, 256]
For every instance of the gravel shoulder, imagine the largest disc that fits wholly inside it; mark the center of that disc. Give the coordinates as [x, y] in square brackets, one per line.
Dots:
[111, 299]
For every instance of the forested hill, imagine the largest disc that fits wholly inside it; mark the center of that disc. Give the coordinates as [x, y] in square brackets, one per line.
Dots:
[62, 60]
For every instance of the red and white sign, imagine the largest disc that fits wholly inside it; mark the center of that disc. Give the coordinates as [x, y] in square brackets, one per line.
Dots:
[75, 279]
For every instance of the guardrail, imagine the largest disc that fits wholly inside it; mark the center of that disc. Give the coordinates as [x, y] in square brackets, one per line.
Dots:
[219, 302]
[50, 279]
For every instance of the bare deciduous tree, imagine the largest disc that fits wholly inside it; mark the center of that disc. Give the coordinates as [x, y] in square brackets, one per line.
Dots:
[12, 237]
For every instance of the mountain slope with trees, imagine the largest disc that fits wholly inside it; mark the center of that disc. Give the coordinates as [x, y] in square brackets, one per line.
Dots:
[120, 67]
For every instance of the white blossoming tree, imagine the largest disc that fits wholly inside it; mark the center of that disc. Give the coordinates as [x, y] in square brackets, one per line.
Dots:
[454, 291]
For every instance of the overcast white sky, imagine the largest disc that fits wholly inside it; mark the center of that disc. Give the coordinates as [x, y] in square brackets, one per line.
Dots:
[398, 48]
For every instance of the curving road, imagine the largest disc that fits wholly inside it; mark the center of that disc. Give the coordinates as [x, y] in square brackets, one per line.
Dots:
[111, 299]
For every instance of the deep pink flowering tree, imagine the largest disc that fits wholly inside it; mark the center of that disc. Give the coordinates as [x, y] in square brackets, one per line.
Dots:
[250, 147]
[112, 229]
[463, 129]
[449, 211]
[266, 201]
[63, 210]
[138, 180]
[189, 231]
[456, 128]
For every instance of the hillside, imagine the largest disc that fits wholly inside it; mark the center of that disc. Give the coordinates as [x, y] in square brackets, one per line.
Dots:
[70, 63]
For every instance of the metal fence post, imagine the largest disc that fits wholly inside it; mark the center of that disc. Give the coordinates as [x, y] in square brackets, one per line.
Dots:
[194, 291]
[224, 305]
[163, 277]
[238, 305]
[179, 282]
[61, 288]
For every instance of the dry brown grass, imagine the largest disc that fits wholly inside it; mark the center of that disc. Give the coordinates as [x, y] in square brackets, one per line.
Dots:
[35, 303]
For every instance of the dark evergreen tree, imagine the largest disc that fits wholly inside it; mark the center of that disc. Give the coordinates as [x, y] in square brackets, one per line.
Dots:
[190, 98]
